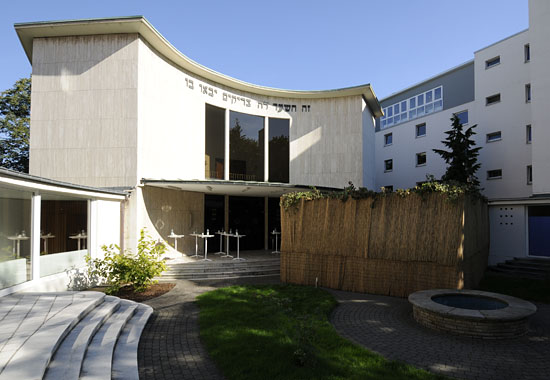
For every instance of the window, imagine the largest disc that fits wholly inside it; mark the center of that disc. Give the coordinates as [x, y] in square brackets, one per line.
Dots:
[421, 130]
[279, 150]
[529, 174]
[494, 174]
[528, 93]
[214, 142]
[388, 165]
[528, 133]
[495, 136]
[413, 107]
[462, 117]
[492, 99]
[527, 52]
[421, 159]
[246, 147]
[388, 139]
[492, 62]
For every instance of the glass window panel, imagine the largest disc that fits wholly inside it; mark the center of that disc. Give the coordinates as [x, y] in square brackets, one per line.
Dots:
[462, 117]
[214, 142]
[279, 152]
[412, 103]
[388, 139]
[438, 105]
[403, 116]
[403, 106]
[421, 130]
[420, 99]
[429, 97]
[396, 119]
[15, 236]
[437, 93]
[384, 123]
[419, 111]
[396, 108]
[246, 147]
[390, 111]
[420, 159]
[390, 120]
[412, 114]
[429, 108]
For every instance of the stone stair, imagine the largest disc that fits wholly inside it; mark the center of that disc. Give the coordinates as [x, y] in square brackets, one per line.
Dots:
[524, 267]
[223, 269]
[70, 335]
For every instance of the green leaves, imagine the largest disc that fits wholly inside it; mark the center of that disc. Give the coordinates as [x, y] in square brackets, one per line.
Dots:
[15, 106]
[124, 268]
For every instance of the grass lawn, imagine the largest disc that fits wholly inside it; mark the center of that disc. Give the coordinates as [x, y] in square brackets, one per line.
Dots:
[283, 332]
[527, 289]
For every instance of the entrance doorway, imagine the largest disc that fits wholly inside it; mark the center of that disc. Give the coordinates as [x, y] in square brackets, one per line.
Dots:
[213, 219]
[539, 231]
[246, 214]
[274, 222]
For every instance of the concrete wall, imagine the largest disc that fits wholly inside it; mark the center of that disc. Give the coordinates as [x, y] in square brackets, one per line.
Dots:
[108, 224]
[511, 154]
[84, 109]
[508, 232]
[539, 32]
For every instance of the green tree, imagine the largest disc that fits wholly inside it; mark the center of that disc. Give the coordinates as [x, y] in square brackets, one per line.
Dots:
[15, 108]
[462, 156]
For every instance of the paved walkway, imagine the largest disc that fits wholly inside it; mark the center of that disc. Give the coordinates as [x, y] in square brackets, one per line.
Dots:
[385, 325]
[170, 347]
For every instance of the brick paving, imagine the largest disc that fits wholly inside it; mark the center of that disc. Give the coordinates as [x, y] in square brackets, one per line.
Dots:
[170, 347]
[385, 325]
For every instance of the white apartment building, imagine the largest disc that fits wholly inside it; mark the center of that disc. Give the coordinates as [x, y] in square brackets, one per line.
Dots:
[505, 90]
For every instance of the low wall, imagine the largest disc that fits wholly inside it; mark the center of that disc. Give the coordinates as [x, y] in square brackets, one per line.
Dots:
[393, 245]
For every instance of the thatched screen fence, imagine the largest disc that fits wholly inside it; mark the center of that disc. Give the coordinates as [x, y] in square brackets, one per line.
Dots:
[391, 245]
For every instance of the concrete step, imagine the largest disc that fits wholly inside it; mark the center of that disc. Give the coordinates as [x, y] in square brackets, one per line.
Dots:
[523, 267]
[224, 274]
[207, 269]
[67, 361]
[229, 277]
[41, 330]
[225, 263]
[125, 360]
[97, 363]
[517, 273]
[538, 263]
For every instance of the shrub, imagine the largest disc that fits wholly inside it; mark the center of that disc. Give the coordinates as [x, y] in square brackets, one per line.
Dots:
[125, 268]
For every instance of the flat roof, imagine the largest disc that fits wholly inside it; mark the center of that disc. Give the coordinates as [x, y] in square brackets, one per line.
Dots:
[139, 25]
[53, 185]
[234, 188]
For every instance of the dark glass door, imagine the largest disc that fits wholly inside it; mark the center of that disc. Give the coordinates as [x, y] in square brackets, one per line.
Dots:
[246, 214]
[213, 219]
[539, 231]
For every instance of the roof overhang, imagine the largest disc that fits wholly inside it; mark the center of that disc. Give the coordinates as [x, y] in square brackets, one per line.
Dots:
[139, 25]
[233, 188]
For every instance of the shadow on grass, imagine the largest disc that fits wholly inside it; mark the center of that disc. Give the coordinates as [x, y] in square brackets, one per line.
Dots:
[283, 332]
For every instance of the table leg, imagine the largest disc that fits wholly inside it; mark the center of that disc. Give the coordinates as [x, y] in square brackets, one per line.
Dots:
[206, 250]
[18, 248]
[46, 246]
[238, 258]
[221, 252]
[196, 247]
[227, 247]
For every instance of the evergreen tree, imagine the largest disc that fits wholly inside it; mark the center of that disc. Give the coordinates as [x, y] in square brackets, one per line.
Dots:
[15, 108]
[462, 157]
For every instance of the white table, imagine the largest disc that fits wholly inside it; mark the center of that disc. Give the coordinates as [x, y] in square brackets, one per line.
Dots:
[175, 237]
[276, 234]
[236, 235]
[196, 244]
[79, 236]
[45, 237]
[17, 243]
[206, 236]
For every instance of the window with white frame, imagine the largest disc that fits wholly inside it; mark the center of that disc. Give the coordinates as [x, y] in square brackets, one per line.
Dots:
[388, 139]
[421, 159]
[528, 93]
[414, 107]
[492, 62]
[494, 174]
[420, 130]
[528, 133]
[388, 165]
[462, 117]
[494, 136]
[529, 174]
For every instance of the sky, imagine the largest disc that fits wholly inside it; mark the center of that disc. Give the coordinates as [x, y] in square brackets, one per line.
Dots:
[296, 44]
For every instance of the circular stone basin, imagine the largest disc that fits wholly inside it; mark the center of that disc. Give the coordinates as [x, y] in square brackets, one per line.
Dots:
[472, 313]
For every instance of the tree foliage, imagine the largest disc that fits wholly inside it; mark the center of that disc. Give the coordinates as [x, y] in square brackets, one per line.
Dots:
[15, 108]
[462, 156]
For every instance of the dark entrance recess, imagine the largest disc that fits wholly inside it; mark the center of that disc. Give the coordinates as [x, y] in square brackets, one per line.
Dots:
[246, 214]
[274, 221]
[213, 219]
[539, 228]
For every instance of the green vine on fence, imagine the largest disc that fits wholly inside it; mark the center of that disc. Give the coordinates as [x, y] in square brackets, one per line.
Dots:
[452, 189]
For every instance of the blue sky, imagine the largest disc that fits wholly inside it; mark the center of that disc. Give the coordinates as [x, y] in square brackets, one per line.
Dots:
[297, 44]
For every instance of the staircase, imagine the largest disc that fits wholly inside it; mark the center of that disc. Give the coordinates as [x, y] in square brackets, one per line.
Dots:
[70, 335]
[524, 267]
[223, 269]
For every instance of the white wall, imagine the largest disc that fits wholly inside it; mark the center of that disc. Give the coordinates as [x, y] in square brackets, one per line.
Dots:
[84, 109]
[511, 154]
[508, 238]
[539, 30]
[108, 226]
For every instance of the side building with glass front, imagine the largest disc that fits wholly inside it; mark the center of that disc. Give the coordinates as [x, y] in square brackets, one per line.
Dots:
[115, 105]
[47, 227]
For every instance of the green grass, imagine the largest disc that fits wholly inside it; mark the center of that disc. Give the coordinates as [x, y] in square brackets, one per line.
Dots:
[527, 289]
[283, 332]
